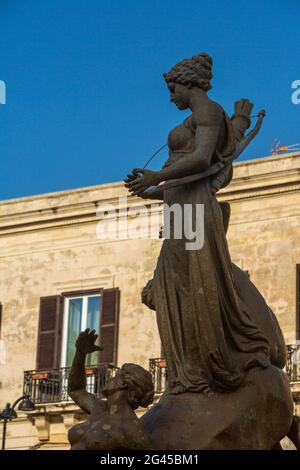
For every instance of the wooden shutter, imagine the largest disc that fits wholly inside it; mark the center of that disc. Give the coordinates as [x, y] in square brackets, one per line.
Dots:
[298, 302]
[109, 323]
[49, 332]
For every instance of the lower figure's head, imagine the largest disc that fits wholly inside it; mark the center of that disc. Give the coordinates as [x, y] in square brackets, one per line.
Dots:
[134, 381]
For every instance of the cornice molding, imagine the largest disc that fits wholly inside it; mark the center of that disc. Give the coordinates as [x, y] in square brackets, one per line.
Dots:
[252, 179]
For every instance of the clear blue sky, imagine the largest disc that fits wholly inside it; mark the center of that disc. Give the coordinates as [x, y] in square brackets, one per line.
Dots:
[86, 100]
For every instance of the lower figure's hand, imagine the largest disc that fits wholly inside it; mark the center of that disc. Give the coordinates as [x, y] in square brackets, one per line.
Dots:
[85, 342]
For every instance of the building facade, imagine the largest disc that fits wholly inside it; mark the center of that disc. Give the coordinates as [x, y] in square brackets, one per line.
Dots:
[79, 258]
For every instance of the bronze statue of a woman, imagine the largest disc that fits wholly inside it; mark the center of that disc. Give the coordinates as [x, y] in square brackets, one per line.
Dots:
[218, 334]
[208, 340]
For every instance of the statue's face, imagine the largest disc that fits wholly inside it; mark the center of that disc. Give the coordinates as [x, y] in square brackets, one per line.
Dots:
[116, 383]
[179, 94]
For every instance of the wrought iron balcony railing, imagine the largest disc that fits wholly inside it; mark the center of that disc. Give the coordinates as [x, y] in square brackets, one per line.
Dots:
[293, 362]
[159, 371]
[51, 386]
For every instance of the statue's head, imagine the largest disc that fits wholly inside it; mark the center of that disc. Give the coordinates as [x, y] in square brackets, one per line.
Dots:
[195, 72]
[135, 382]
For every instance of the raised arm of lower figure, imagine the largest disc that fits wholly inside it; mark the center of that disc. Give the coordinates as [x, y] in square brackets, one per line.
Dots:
[85, 344]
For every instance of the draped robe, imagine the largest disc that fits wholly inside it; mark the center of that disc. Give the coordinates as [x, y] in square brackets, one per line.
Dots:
[209, 342]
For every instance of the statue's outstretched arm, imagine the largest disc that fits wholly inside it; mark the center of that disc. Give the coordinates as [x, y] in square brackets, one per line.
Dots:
[85, 344]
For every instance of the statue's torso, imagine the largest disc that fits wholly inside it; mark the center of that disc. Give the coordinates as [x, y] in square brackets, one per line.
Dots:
[105, 431]
[181, 139]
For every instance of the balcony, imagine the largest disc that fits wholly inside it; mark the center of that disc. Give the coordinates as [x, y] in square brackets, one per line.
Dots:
[159, 371]
[51, 386]
[293, 363]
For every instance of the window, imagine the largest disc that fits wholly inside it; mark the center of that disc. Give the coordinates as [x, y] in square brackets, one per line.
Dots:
[79, 313]
[62, 317]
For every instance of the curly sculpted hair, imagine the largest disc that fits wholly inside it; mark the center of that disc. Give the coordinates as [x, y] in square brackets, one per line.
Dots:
[196, 71]
[140, 385]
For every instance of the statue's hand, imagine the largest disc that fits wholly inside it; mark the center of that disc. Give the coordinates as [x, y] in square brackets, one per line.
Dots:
[137, 184]
[133, 177]
[85, 342]
[242, 109]
[130, 178]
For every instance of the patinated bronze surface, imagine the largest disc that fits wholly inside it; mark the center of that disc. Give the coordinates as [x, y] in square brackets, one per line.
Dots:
[224, 348]
[208, 340]
[112, 424]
